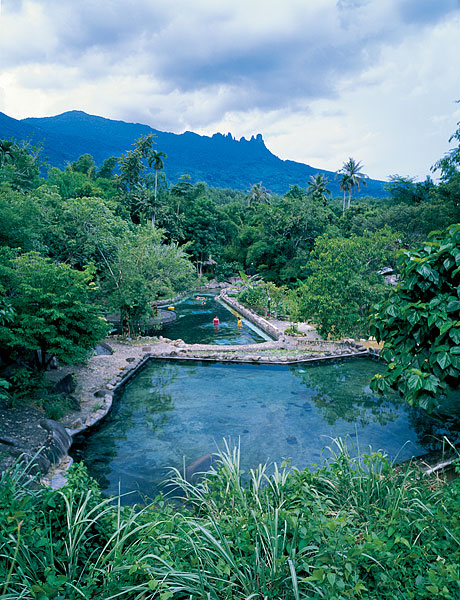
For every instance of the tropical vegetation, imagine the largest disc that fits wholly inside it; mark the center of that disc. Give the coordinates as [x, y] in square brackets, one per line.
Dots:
[89, 240]
[355, 528]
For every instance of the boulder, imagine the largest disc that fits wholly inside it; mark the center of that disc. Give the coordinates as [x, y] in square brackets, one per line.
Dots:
[66, 385]
[103, 349]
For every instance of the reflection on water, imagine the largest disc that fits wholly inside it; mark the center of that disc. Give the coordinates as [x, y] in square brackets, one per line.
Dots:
[194, 324]
[174, 412]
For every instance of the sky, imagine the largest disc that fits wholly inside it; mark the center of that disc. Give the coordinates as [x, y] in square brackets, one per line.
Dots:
[321, 80]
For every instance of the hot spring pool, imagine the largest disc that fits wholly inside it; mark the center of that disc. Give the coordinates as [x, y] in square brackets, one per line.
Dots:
[174, 412]
[194, 323]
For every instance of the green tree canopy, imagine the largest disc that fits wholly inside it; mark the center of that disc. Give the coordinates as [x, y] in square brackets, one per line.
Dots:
[420, 322]
[143, 270]
[54, 309]
[345, 283]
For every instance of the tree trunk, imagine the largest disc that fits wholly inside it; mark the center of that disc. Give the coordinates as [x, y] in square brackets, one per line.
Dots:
[155, 200]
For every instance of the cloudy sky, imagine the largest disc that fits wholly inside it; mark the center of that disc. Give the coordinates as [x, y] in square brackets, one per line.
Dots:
[322, 80]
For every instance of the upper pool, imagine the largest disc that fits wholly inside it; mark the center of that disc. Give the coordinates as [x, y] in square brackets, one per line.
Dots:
[174, 412]
[194, 323]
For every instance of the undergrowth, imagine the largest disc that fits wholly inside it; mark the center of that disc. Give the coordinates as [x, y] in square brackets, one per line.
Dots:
[357, 528]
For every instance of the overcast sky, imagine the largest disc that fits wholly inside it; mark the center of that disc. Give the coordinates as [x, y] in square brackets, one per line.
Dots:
[322, 80]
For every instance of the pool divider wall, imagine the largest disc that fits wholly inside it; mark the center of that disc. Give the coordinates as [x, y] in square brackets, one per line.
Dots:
[249, 314]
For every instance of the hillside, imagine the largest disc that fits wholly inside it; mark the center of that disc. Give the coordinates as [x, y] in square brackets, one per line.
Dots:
[220, 160]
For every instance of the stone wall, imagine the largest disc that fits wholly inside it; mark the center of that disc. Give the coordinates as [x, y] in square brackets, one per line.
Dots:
[252, 316]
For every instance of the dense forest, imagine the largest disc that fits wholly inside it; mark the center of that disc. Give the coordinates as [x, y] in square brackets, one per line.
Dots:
[87, 241]
[120, 237]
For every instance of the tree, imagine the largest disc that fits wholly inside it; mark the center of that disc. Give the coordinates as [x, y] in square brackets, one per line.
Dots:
[144, 270]
[54, 309]
[406, 190]
[20, 164]
[84, 164]
[6, 153]
[351, 178]
[420, 322]
[345, 282]
[258, 194]
[449, 165]
[317, 188]
[108, 166]
[156, 160]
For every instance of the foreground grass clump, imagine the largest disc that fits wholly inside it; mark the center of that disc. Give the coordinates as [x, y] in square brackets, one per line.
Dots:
[356, 528]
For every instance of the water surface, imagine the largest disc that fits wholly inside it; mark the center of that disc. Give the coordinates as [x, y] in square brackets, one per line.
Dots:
[173, 412]
[194, 323]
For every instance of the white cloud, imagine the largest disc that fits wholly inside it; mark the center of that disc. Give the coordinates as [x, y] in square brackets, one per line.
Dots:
[321, 80]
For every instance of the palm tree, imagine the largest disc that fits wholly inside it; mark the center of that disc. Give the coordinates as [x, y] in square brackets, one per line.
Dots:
[345, 187]
[156, 160]
[351, 178]
[317, 188]
[258, 194]
[5, 151]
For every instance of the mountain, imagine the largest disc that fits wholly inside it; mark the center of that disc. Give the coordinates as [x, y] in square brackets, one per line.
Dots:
[220, 160]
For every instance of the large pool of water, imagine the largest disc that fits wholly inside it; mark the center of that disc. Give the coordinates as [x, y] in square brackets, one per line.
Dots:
[194, 324]
[174, 412]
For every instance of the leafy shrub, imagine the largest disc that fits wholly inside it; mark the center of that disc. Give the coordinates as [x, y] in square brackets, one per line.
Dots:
[355, 528]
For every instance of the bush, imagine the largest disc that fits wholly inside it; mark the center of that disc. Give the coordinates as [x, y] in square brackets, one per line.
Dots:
[355, 528]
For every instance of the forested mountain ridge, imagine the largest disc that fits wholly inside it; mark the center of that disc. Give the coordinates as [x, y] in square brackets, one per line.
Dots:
[220, 160]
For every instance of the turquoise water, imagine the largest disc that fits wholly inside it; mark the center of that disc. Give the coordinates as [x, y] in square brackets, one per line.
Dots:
[174, 412]
[194, 324]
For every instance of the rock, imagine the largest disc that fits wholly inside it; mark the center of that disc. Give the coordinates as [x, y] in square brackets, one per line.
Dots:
[109, 386]
[65, 386]
[291, 439]
[130, 359]
[173, 353]
[103, 349]
[58, 481]
[54, 363]
[74, 403]
[77, 424]
[147, 349]
[58, 442]
[100, 394]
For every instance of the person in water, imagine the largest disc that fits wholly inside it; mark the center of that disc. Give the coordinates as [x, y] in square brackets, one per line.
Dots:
[215, 320]
[239, 322]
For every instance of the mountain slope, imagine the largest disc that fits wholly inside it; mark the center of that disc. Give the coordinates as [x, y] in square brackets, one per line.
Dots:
[220, 160]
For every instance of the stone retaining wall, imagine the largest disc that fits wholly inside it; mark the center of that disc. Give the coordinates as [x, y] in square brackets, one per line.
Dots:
[249, 314]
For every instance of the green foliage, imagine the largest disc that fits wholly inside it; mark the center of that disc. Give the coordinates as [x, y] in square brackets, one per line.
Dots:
[54, 309]
[355, 528]
[20, 164]
[224, 270]
[344, 283]
[261, 295]
[420, 322]
[143, 270]
[403, 190]
[449, 165]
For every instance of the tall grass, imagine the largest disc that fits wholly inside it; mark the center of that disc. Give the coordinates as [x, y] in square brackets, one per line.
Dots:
[356, 528]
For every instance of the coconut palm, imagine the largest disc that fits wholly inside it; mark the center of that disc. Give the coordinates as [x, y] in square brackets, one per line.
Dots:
[5, 151]
[351, 178]
[156, 161]
[317, 188]
[258, 194]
